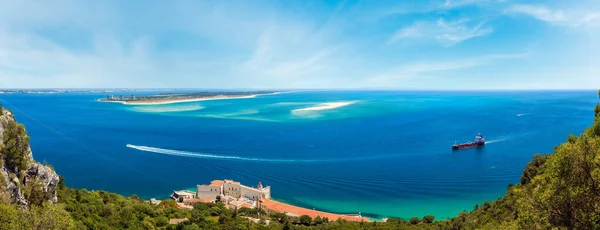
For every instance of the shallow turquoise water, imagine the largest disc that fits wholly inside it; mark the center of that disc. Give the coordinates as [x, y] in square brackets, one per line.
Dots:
[383, 154]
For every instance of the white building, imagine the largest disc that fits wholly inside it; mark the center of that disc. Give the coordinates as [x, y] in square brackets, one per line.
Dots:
[232, 189]
[184, 194]
[210, 191]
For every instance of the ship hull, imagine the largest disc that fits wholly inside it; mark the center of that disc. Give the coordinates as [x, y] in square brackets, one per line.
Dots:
[467, 145]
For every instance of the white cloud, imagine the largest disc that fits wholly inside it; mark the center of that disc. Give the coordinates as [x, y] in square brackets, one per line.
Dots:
[408, 72]
[572, 17]
[461, 3]
[446, 33]
[242, 46]
[256, 49]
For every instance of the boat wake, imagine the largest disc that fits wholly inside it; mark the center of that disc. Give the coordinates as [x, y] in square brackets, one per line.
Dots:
[237, 158]
[495, 141]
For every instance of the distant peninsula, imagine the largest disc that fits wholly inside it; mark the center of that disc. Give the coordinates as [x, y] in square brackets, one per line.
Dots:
[171, 98]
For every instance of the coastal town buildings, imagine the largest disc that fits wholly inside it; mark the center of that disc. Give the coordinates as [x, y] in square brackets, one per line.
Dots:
[121, 98]
[210, 191]
[183, 194]
[233, 189]
[235, 196]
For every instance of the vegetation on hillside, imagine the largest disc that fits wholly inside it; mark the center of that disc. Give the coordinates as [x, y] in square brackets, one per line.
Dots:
[560, 190]
[14, 146]
[556, 191]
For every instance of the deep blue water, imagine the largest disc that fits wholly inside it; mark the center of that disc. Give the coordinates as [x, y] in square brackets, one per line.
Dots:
[386, 154]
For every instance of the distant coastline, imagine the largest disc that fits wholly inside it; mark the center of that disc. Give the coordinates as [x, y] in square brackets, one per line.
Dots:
[164, 99]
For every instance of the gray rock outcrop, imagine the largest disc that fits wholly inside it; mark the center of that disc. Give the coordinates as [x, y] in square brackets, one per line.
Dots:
[13, 181]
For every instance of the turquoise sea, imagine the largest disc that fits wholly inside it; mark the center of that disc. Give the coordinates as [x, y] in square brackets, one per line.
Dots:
[381, 153]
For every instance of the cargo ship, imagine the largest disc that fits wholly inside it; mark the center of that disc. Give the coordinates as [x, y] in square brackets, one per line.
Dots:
[479, 141]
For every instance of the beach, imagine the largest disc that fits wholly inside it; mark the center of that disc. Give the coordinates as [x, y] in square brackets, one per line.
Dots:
[167, 100]
[281, 207]
[174, 101]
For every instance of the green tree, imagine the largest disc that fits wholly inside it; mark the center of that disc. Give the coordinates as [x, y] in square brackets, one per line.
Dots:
[49, 216]
[224, 219]
[305, 220]
[318, 220]
[414, 220]
[397, 221]
[12, 218]
[35, 194]
[135, 197]
[197, 216]
[428, 219]
[191, 227]
[279, 217]
[162, 221]
[532, 168]
[15, 146]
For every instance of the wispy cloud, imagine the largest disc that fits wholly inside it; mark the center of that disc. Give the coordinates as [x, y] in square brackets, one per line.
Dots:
[445, 32]
[462, 3]
[423, 70]
[560, 17]
[208, 44]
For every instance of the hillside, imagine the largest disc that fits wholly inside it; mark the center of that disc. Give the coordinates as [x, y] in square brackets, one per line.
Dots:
[559, 190]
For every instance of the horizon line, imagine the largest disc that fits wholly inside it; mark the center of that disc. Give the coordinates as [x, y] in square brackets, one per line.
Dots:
[302, 89]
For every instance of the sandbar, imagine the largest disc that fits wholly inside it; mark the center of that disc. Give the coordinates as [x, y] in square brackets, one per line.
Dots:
[325, 106]
[168, 101]
[172, 99]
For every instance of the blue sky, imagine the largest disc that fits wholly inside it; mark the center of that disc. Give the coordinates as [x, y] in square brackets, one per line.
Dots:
[437, 44]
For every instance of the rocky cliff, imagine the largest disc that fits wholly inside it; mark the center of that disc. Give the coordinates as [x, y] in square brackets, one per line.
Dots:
[22, 180]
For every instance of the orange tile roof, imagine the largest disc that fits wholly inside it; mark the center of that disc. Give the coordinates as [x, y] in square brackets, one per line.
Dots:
[216, 183]
[286, 208]
[231, 182]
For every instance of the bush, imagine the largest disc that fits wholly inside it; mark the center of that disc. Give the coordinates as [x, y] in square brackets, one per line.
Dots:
[191, 227]
[16, 146]
[11, 218]
[318, 220]
[532, 168]
[49, 216]
[305, 220]
[428, 219]
[414, 220]
[162, 221]
[396, 221]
